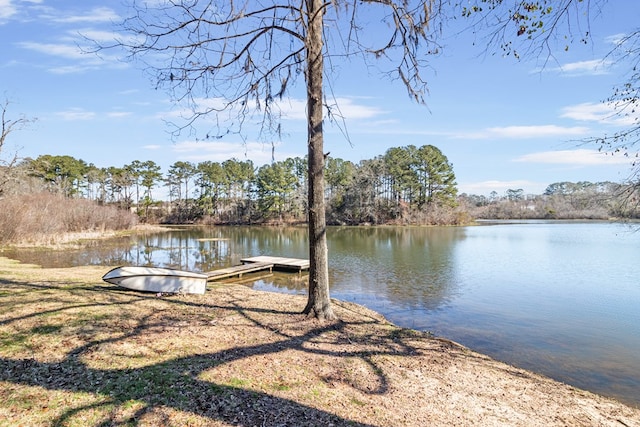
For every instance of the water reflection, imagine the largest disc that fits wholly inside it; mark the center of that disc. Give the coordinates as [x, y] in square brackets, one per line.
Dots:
[188, 248]
[402, 268]
[399, 271]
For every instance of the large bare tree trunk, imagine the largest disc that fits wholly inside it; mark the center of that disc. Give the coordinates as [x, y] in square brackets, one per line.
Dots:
[319, 302]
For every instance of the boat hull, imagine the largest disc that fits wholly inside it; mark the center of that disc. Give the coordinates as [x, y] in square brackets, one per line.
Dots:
[156, 279]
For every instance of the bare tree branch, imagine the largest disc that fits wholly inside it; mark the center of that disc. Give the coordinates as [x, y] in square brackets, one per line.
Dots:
[528, 28]
[7, 163]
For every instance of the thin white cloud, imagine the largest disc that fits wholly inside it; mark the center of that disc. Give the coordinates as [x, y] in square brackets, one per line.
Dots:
[296, 108]
[290, 109]
[100, 36]
[594, 67]
[597, 112]
[523, 132]
[69, 51]
[615, 39]
[580, 157]
[588, 111]
[7, 10]
[20, 9]
[219, 151]
[351, 110]
[105, 38]
[343, 107]
[80, 114]
[95, 15]
[75, 114]
[152, 147]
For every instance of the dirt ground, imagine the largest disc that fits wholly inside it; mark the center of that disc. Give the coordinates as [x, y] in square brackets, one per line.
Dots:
[77, 351]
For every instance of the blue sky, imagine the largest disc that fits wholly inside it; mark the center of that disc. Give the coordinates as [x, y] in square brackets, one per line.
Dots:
[503, 124]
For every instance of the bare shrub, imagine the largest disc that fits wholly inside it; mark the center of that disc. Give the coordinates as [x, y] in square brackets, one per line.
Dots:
[438, 215]
[42, 216]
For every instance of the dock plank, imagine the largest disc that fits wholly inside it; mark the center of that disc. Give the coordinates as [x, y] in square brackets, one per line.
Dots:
[238, 270]
[280, 263]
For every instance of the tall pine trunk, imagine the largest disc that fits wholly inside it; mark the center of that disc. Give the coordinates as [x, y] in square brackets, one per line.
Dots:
[319, 302]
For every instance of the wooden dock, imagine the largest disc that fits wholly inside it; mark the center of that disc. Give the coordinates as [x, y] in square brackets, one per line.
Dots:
[239, 270]
[259, 263]
[279, 263]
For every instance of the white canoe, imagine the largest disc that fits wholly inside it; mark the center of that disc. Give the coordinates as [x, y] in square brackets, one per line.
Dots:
[156, 279]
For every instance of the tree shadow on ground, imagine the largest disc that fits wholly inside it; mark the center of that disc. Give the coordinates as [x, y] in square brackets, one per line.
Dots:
[176, 383]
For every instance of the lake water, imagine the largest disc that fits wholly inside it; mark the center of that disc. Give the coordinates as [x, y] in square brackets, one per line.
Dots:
[558, 298]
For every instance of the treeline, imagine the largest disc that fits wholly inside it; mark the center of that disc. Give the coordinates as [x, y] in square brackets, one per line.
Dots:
[405, 185]
[561, 200]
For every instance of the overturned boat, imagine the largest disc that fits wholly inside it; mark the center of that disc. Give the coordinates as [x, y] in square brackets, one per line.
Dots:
[157, 279]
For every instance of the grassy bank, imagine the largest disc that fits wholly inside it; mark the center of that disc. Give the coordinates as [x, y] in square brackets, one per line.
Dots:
[75, 351]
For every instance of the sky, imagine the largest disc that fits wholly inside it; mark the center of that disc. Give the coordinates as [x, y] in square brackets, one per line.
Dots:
[502, 123]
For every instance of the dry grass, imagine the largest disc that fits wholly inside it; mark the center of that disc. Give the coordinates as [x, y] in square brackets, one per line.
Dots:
[45, 219]
[75, 351]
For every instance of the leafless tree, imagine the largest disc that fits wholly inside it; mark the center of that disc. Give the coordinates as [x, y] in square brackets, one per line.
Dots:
[8, 160]
[236, 60]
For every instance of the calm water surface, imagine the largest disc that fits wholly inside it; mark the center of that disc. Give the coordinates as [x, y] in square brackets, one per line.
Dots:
[562, 299]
